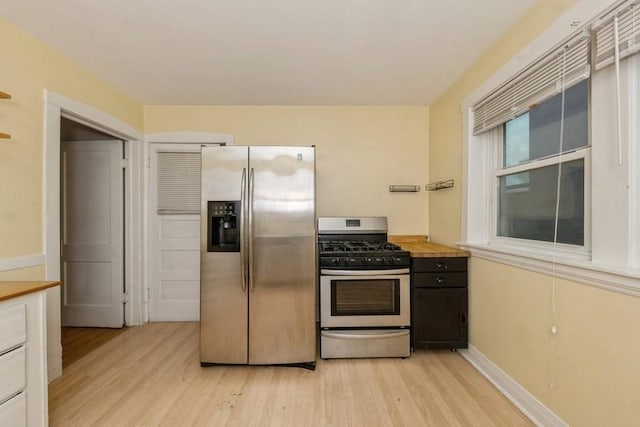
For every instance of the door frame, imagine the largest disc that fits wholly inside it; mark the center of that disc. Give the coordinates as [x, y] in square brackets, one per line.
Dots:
[55, 107]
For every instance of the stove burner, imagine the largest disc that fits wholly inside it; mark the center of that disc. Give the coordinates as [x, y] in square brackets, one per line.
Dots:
[362, 255]
[358, 246]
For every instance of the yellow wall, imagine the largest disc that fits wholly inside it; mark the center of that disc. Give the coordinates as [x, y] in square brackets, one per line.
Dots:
[28, 67]
[360, 151]
[593, 360]
[588, 372]
[445, 150]
[29, 273]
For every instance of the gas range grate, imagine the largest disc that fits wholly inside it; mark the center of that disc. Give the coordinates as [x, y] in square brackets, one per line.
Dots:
[358, 246]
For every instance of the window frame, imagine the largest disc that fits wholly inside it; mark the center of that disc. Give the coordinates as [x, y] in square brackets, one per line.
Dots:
[567, 250]
[634, 164]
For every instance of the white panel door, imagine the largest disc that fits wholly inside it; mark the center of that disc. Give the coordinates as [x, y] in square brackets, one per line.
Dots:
[92, 233]
[174, 239]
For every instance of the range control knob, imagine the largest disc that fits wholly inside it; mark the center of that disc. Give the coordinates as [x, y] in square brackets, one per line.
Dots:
[390, 260]
[334, 261]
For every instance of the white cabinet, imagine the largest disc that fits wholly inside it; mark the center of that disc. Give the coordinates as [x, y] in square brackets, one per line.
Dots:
[23, 365]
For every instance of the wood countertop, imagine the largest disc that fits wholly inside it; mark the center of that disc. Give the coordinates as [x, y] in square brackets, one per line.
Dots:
[10, 290]
[420, 248]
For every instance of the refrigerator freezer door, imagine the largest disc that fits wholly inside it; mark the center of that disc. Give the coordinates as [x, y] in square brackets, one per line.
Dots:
[223, 302]
[282, 294]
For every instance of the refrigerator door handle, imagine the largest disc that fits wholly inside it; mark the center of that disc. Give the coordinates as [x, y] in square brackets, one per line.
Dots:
[243, 249]
[252, 281]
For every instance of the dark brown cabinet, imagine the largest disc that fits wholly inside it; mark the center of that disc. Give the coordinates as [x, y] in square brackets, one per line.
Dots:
[439, 301]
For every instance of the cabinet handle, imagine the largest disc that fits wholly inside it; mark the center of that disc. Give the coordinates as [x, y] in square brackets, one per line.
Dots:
[463, 317]
[440, 280]
[441, 265]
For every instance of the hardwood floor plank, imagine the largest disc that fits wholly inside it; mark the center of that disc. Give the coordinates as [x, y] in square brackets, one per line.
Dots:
[151, 376]
[78, 342]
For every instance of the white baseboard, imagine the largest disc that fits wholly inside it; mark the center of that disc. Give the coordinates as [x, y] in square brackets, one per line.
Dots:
[538, 413]
[17, 263]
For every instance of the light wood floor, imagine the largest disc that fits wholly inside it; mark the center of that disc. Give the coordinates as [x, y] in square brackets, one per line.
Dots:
[78, 342]
[151, 376]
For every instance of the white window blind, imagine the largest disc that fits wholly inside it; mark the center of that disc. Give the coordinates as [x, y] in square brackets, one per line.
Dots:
[547, 76]
[627, 20]
[178, 183]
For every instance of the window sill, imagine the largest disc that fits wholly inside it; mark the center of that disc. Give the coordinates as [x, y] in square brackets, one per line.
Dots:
[621, 280]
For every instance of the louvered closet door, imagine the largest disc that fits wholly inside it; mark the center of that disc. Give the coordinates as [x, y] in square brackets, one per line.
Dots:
[174, 232]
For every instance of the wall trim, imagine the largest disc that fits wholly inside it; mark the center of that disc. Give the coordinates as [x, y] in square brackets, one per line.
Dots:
[92, 117]
[624, 281]
[17, 263]
[189, 137]
[535, 410]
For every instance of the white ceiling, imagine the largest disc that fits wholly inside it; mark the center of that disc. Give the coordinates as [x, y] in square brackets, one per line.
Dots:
[272, 52]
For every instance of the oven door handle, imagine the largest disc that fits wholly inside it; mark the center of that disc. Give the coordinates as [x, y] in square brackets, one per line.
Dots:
[365, 336]
[327, 272]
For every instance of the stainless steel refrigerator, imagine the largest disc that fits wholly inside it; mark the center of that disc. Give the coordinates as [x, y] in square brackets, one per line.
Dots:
[258, 256]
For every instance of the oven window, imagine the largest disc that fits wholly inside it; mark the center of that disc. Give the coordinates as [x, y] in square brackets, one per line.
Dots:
[378, 297]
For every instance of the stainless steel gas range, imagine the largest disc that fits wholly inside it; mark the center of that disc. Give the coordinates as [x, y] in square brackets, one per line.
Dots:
[364, 290]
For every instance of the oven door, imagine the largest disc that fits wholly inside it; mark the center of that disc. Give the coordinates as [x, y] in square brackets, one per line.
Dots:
[364, 299]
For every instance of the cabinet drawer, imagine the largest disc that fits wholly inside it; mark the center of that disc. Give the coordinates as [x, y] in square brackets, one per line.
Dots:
[365, 343]
[12, 373]
[13, 326]
[440, 280]
[13, 412]
[439, 264]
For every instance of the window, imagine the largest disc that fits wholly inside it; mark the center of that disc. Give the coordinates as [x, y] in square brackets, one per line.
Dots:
[531, 161]
[524, 146]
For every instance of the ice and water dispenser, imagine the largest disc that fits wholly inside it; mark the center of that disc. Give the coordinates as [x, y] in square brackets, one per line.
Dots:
[223, 226]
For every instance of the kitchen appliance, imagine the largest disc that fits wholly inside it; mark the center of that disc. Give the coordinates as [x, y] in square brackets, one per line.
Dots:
[258, 256]
[364, 290]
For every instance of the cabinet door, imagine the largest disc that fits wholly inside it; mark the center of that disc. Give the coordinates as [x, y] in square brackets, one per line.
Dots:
[13, 372]
[13, 412]
[440, 318]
